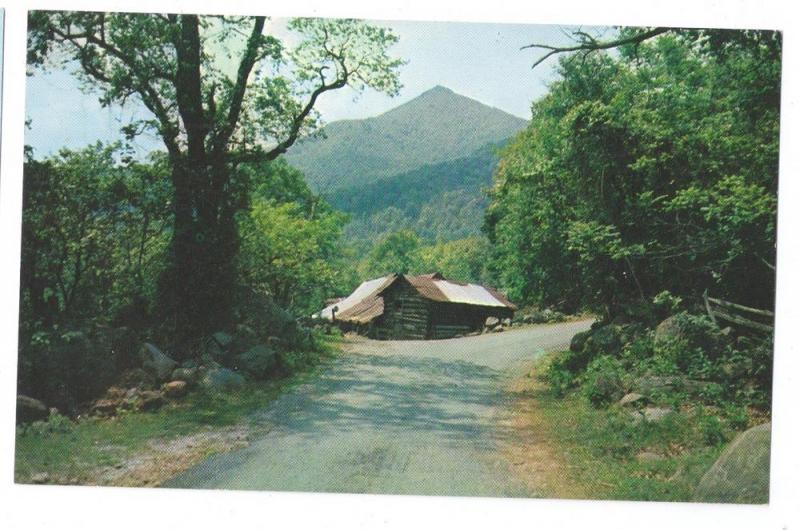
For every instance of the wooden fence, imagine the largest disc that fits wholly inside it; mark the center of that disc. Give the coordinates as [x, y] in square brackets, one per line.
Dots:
[758, 320]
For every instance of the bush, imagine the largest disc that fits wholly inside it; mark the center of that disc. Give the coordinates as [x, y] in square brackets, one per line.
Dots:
[604, 381]
[66, 369]
[710, 430]
[559, 379]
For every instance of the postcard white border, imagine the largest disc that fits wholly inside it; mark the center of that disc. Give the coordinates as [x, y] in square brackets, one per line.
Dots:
[120, 508]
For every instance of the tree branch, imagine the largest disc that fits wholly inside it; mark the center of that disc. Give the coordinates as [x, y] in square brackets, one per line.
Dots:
[246, 64]
[297, 122]
[588, 43]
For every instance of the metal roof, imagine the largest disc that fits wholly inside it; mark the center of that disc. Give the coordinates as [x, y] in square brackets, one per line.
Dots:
[366, 302]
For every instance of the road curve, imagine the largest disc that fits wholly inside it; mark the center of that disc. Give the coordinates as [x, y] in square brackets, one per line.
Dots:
[396, 417]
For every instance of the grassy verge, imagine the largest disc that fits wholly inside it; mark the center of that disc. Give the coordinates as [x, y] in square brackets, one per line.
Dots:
[612, 456]
[88, 451]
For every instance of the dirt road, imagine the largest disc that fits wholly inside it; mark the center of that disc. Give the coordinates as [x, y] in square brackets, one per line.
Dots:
[401, 417]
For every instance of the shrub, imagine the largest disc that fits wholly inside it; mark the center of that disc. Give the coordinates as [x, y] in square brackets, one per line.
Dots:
[710, 429]
[559, 379]
[604, 381]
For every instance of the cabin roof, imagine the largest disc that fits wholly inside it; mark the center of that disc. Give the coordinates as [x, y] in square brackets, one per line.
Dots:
[366, 303]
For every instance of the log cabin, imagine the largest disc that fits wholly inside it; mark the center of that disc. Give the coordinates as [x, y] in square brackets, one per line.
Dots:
[426, 306]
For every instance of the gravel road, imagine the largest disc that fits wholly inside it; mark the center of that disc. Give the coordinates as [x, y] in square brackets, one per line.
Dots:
[397, 417]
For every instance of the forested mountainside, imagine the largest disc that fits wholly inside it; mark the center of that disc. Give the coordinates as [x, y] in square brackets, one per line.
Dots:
[436, 126]
[443, 201]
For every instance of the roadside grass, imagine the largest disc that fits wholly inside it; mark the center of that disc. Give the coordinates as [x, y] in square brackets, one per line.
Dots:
[614, 457]
[64, 451]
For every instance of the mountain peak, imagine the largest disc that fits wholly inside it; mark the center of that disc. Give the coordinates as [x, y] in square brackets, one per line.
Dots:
[439, 89]
[436, 126]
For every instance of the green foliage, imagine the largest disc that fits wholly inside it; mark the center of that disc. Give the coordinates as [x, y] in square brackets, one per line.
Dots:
[396, 253]
[213, 109]
[440, 201]
[603, 382]
[460, 260]
[94, 235]
[288, 256]
[652, 171]
[601, 446]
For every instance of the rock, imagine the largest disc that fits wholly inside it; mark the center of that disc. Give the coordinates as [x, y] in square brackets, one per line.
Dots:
[221, 379]
[258, 362]
[244, 339]
[174, 389]
[190, 375]
[498, 329]
[149, 400]
[648, 457]
[579, 341]
[604, 341]
[30, 410]
[668, 329]
[104, 407]
[506, 322]
[492, 322]
[223, 339]
[138, 378]
[115, 393]
[156, 362]
[653, 384]
[632, 398]
[656, 413]
[651, 414]
[741, 473]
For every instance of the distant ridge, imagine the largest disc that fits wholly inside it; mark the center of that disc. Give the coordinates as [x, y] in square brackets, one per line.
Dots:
[436, 126]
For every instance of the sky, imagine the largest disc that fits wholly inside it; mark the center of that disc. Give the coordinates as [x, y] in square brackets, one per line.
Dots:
[480, 61]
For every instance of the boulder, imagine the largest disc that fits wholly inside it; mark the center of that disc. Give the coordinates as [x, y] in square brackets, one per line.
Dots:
[669, 329]
[136, 378]
[653, 384]
[115, 393]
[189, 375]
[654, 414]
[174, 389]
[258, 362]
[632, 398]
[223, 339]
[660, 384]
[156, 362]
[741, 473]
[150, 400]
[579, 341]
[506, 322]
[104, 407]
[30, 410]
[604, 341]
[651, 414]
[221, 379]
[492, 322]
[647, 457]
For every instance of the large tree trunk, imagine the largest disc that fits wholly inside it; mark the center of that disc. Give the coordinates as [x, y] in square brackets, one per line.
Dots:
[197, 288]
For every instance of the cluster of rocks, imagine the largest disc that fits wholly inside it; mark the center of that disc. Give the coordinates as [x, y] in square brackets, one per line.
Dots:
[154, 378]
[538, 316]
[495, 325]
